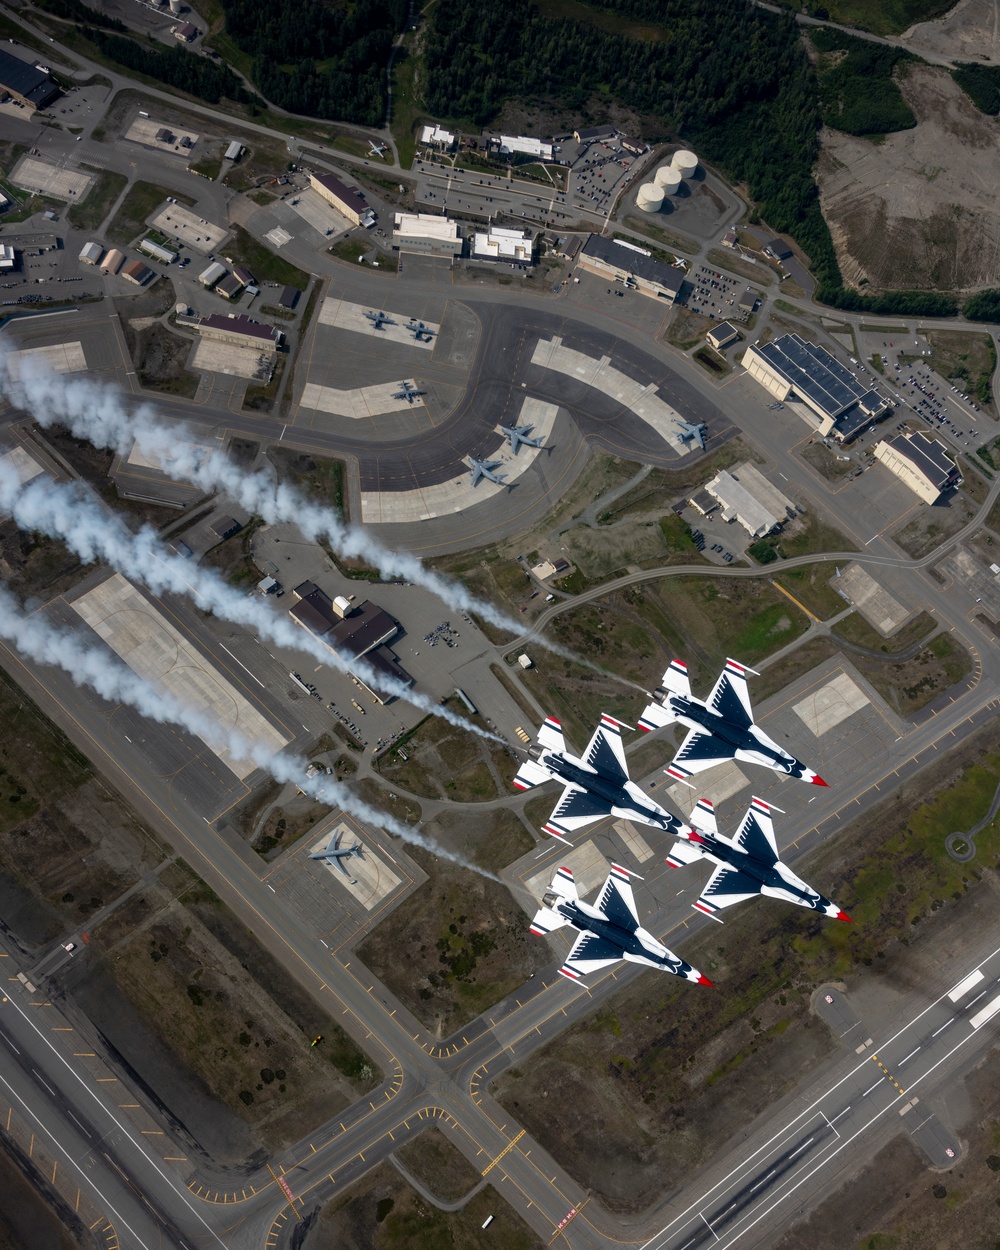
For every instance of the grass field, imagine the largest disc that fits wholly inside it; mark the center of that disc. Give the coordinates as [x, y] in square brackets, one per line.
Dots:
[909, 685]
[405, 107]
[810, 584]
[107, 187]
[320, 479]
[443, 761]
[143, 199]
[432, 1159]
[855, 628]
[826, 462]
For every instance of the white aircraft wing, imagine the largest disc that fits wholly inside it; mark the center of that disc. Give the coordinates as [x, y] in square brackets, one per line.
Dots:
[589, 953]
[617, 901]
[756, 833]
[531, 774]
[698, 751]
[605, 752]
[575, 809]
[683, 853]
[726, 886]
[730, 696]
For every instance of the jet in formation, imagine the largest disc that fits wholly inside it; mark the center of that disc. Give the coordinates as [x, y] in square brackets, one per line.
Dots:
[721, 726]
[422, 333]
[519, 436]
[334, 853]
[691, 432]
[408, 392]
[486, 469]
[609, 928]
[376, 149]
[596, 784]
[748, 864]
[379, 319]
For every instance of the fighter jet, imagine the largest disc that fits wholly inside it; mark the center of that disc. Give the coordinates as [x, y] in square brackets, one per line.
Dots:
[691, 432]
[749, 864]
[486, 469]
[379, 319]
[595, 785]
[408, 392]
[334, 853]
[722, 726]
[517, 436]
[422, 333]
[609, 928]
[376, 149]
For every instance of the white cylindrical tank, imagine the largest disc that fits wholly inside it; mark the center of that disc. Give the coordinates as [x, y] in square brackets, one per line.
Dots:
[176, 6]
[650, 198]
[684, 162]
[667, 179]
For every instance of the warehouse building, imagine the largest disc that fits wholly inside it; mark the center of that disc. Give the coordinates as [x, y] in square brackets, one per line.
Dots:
[208, 277]
[623, 262]
[594, 133]
[8, 258]
[230, 287]
[427, 233]
[351, 632]
[346, 200]
[523, 145]
[289, 297]
[29, 85]
[749, 498]
[91, 253]
[922, 463]
[722, 335]
[113, 261]
[157, 251]
[241, 330]
[234, 151]
[777, 249]
[138, 273]
[823, 392]
[186, 32]
[512, 246]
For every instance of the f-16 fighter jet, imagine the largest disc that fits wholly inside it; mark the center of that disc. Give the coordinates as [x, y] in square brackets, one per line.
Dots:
[334, 853]
[609, 929]
[519, 436]
[596, 785]
[749, 864]
[722, 726]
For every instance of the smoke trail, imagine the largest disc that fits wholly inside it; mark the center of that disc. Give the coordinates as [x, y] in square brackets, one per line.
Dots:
[95, 412]
[94, 667]
[72, 513]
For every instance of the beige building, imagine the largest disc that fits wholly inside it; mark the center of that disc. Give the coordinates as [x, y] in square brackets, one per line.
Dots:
[113, 261]
[427, 233]
[348, 201]
[240, 330]
[922, 463]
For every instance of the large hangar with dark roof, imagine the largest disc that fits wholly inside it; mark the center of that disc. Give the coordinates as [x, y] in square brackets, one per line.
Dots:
[28, 85]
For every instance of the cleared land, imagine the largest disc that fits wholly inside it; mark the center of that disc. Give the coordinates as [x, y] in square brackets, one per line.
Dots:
[434, 1161]
[319, 478]
[142, 200]
[931, 527]
[106, 188]
[688, 1069]
[443, 761]
[162, 357]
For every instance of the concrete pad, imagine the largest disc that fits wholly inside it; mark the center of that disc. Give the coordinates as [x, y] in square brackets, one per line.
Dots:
[872, 600]
[143, 130]
[236, 362]
[323, 217]
[633, 395]
[199, 235]
[364, 401]
[374, 880]
[161, 655]
[588, 866]
[278, 236]
[715, 784]
[55, 181]
[53, 358]
[826, 707]
[25, 465]
[139, 459]
[346, 316]
[457, 494]
[634, 841]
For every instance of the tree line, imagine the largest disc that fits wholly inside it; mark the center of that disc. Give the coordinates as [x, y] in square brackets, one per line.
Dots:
[196, 75]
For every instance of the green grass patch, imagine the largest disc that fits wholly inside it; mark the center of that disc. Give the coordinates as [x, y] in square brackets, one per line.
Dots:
[881, 17]
[711, 361]
[856, 629]
[244, 249]
[318, 478]
[262, 197]
[350, 249]
[143, 199]
[105, 189]
[210, 167]
[406, 111]
[810, 584]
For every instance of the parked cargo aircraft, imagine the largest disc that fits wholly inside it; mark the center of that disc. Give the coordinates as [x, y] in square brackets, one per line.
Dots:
[334, 853]
[721, 726]
[422, 333]
[609, 928]
[486, 469]
[518, 436]
[595, 785]
[748, 864]
[379, 319]
[691, 432]
[408, 392]
[376, 149]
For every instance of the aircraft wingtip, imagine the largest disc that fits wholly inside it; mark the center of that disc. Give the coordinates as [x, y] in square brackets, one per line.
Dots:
[703, 980]
[842, 915]
[818, 781]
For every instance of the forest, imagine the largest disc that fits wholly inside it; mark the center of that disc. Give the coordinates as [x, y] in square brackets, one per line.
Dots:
[177, 68]
[857, 91]
[319, 59]
[981, 83]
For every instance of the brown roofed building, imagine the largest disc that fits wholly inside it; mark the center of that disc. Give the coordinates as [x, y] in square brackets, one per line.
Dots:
[346, 200]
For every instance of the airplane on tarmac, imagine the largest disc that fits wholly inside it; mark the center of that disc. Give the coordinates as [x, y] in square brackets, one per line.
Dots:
[692, 432]
[748, 864]
[334, 853]
[408, 392]
[596, 784]
[609, 928]
[486, 469]
[376, 149]
[379, 319]
[422, 333]
[518, 436]
[721, 726]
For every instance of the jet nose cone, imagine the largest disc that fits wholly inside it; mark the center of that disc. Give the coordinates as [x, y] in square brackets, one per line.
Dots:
[703, 980]
[842, 915]
[818, 781]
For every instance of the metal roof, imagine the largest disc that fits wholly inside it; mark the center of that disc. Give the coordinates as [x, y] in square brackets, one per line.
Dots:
[928, 455]
[816, 375]
[23, 79]
[634, 262]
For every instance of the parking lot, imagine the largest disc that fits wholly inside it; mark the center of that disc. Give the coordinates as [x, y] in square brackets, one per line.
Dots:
[599, 173]
[714, 294]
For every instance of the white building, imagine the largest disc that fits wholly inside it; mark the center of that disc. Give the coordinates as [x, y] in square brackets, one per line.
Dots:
[7, 257]
[509, 144]
[234, 151]
[427, 233]
[749, 498]
[513, 246]
[211, 275]
[91, 253]
[157, 251]
[437, 138]
[922, 463]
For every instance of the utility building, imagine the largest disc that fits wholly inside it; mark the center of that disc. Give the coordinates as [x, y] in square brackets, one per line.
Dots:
[29, 85]
[241, 330]
[348, 201]
[208, 277]
[157, 251]
[137, 273]
[594, 133]
[427, 233]
[922, 463]
[746, 496]
[113, 261]
[437, 138]
[91, 253]
[523, 145]
[822, 390]
[633, 266]
[512, 246]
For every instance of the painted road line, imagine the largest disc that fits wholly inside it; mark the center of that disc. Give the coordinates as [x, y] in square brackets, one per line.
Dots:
[943, 1027]
[909, 1056]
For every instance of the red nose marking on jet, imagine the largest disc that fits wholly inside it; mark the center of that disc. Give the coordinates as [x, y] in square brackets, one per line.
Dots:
[818, 781]
[703, 980]
[842, 915]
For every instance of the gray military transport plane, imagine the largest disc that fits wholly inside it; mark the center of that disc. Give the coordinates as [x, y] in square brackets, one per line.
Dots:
[379, 319]
[595, 785]
[519, 436]
[748, 864]
[692, 432]
[609, 928]
[409, 392]
[721, 726]
[334, 853]
[486, 469]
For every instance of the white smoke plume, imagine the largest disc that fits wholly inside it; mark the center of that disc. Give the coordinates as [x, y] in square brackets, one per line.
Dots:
[71, 512]
[95, 412]
[93, 666]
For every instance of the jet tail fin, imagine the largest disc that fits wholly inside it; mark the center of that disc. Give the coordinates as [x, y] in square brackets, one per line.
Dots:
[703, 817]
[564, 884]
[551, 737]
[675, 679]
[546, 921]
[657, 713]
[530, 774]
